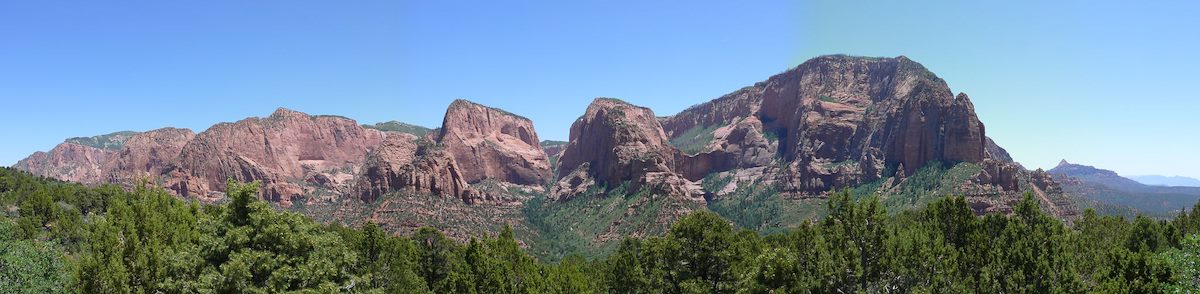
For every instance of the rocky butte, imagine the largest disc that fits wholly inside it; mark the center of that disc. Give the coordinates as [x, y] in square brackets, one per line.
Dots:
[409, 164]
[476, 144]
[492, 144]
[839, 121]
[616, 142]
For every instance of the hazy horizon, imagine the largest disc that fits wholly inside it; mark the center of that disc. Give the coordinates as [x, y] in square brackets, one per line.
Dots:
[1101, 84]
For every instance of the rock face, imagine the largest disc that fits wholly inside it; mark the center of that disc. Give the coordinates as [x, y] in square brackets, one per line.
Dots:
[615, 142]
[319, 158]
[121, 157]
[492, 144]
[553, 149]
[619, 140]
[740, 144]
[832, 122]
[993, 151]
[287, 151]
[405, 163]
[145, 155]
[69, 162]
[1000, 174]
[838, 121]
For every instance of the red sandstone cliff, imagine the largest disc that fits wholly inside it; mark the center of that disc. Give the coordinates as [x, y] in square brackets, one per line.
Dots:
[69, 162]
[616, 142]
[288, 151]
[146, 155]
[405, 163]
[839, 121]
[492, 144]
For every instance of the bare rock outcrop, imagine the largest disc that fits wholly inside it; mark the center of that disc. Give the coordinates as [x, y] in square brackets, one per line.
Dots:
[574, 184]
[841, 121]
[80, 159]
[837, 121]
[418, 166]
[69, 161]
[553, 149]
[741, 144]
[146, 155]
[1002, 174]
[320, 158]
[993, 151]
[286, 151]
[616, 142]
[1000, 184]
[492, 144]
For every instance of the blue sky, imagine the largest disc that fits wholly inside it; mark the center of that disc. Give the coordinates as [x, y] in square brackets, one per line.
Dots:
[1106, 84]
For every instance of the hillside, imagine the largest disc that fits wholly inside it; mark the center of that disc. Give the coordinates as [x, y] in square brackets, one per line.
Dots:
[1170, 181]
[1107, 187]
[766, 156]
[106, 240]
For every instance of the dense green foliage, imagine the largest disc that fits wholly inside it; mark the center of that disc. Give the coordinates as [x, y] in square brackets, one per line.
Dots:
[930, 182]
[60, 237]
[30, 267]
[569, 227]
[759, 207]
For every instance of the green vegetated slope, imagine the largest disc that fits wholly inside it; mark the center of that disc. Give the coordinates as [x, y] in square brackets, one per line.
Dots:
[70, 238]
[759, 207]
[113, 141]
[1154, 203]
[694, 140]
[1109, 192]
[593, 224]
[932, 181]
[396, 126]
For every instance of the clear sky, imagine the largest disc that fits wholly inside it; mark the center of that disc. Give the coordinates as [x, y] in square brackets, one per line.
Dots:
[1105, 84]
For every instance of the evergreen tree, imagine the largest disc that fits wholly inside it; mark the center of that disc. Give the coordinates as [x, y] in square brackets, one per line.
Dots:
[856, 234]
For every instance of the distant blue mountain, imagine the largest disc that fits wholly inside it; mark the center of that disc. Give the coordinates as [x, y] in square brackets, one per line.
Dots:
[1175, 181]
[1107, 187]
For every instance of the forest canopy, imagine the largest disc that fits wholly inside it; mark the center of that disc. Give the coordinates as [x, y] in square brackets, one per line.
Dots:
[64, 237]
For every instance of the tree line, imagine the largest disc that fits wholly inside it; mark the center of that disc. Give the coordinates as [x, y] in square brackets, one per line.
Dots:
[60, 237]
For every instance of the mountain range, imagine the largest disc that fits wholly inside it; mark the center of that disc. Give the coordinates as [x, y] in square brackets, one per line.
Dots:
[1171, 181]
[1106, 188]
[764, 156]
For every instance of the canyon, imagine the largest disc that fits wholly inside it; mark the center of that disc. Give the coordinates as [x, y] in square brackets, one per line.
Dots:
[884, 126]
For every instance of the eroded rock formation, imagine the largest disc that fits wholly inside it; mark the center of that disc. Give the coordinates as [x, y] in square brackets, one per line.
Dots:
[146, 155]
[839, 121]
[831, 122]
[616, 142]
[287, 151]
[405, 163]
[69, 162]
[492, 144]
